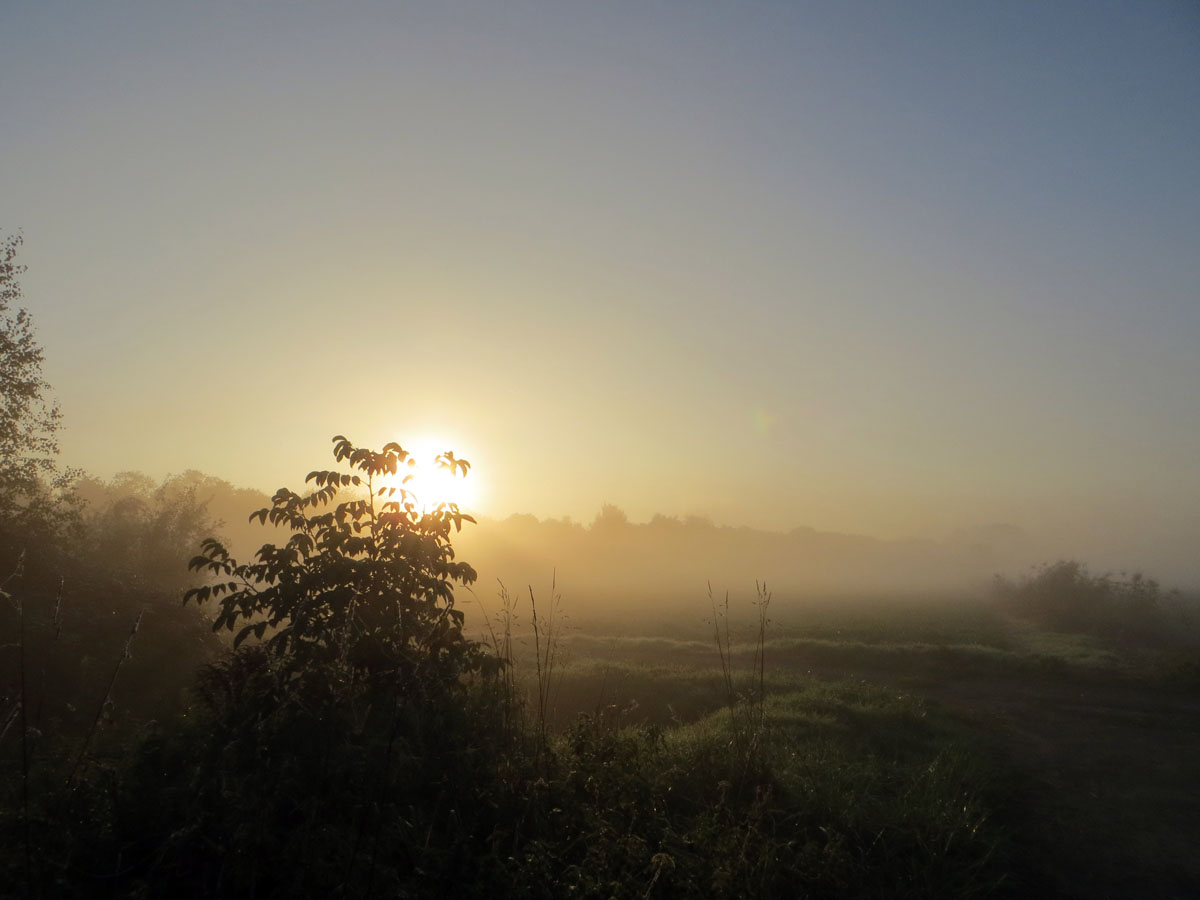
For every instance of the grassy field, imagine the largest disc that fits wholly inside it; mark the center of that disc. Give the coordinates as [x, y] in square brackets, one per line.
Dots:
[834, 748]
[1065, 762]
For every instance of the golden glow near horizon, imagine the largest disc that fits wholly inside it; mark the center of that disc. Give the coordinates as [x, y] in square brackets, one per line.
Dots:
[772, 269]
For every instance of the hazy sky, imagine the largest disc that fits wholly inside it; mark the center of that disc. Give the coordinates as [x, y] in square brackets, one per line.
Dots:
[888, 268]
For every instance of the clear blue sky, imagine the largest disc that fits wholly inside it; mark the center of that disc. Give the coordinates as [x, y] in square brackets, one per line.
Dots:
[893, 268]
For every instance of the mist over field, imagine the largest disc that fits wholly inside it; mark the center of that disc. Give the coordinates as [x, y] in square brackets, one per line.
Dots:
[612, 566]
[539, 450]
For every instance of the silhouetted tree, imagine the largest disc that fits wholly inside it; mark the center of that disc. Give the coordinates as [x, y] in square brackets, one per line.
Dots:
[37, 510]
[363, 586]
[28, 420]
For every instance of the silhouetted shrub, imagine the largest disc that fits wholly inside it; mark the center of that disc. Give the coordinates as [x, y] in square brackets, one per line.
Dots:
[363, 589]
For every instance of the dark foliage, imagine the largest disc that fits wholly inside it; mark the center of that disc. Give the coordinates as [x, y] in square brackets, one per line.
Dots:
[1064, 596]
[31, 483]
[364, 584]
[355, 742]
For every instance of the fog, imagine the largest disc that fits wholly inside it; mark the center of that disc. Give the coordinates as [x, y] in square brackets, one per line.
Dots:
[612, 566]
[613, 562]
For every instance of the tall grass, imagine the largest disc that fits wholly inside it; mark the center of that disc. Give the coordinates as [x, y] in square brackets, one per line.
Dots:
[778, 796]
[500, 637]
[762, 603]
[546, 628]
[546, 634]
[746, 707]
[724, 648]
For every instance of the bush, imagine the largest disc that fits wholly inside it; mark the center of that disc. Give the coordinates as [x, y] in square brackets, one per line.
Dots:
[362, 589]
[337, 748]
[1065, 597]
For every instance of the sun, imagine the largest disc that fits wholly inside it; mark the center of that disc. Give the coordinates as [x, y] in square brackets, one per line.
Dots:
[431, 484]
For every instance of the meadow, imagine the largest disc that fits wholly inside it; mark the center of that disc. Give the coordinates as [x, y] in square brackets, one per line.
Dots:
[1000, 757]
[1035, 739]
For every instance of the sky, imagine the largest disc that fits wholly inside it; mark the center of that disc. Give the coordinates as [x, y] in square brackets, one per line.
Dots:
[886, 268]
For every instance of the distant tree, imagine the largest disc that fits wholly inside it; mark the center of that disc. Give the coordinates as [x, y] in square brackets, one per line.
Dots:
[664, 522]
[142, 533]
[611, 518]
[364, 585]
[77, 583]
[124, 561]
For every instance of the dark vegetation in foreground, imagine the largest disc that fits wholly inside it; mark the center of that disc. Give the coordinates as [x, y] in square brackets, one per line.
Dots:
[345, 735]
[358, 743]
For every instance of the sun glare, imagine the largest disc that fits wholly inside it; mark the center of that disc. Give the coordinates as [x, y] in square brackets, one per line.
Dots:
[431, 484]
